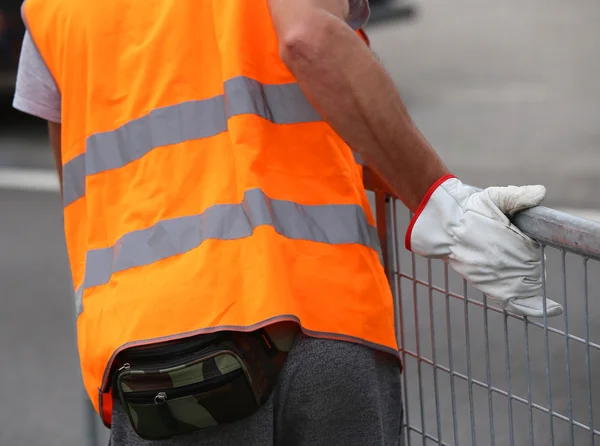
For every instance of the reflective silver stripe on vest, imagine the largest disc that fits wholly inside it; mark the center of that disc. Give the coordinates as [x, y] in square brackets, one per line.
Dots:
[74, 179]
[332, 224]
[280, 104]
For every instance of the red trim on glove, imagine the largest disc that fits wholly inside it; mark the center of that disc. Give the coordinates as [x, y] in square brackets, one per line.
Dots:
[422, 206]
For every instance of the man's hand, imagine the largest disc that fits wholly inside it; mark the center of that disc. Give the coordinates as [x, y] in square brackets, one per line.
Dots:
[471, 230]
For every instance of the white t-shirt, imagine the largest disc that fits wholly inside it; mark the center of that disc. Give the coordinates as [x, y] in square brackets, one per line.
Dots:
[37, 93]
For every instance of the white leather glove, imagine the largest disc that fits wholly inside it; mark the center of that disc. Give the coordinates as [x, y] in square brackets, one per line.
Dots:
[470, 230]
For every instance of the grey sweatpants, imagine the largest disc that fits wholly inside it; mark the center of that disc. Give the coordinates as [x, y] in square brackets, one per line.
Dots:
[329, 393]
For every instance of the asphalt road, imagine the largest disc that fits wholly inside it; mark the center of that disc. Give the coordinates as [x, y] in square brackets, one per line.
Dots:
[507, 92]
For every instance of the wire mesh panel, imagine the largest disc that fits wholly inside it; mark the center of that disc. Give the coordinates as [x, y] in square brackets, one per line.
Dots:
[475, 375]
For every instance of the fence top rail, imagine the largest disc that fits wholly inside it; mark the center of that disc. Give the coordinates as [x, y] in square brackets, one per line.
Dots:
[561, 230]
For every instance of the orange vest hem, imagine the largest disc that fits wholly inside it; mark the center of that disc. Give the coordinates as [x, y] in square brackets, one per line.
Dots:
[105, 394]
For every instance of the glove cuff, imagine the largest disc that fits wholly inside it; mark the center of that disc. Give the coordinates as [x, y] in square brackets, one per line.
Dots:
[424, 202]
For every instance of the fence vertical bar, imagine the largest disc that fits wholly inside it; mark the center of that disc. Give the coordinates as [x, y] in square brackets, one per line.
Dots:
[433, 355]
[528, 372]
[547, 345]
[567, 352]
[469, 375]
[418, 345]
[450, 355]
[382, 216]
[396, 285]
[511, 429]
[488, 370]
[587, 350]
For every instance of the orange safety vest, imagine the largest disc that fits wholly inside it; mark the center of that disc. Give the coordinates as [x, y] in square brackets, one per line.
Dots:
[202, 191]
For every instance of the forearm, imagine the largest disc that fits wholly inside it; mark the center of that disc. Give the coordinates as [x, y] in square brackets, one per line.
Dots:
[54, 131]
[354, 93]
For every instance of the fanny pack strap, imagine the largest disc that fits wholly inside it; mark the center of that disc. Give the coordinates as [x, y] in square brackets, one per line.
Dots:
[264, 359]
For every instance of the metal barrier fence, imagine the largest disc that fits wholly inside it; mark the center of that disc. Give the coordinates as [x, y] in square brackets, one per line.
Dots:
[474, 374]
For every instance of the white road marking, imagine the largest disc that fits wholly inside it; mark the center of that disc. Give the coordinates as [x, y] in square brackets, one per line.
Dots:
[29, 179]
[47, 180]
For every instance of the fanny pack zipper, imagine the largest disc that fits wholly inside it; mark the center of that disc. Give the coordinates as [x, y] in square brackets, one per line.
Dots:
[158, 367]
[161, 396]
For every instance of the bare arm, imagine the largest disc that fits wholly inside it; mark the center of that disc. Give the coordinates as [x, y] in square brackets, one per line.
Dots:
[54, 129]
[354, 93]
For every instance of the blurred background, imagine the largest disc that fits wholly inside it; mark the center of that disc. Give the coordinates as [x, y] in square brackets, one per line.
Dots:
[507, 91]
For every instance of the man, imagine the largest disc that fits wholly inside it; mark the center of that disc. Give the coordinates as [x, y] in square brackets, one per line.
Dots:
[209, 188]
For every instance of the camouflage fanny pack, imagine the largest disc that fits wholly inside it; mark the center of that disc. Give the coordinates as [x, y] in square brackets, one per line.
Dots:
[186, 386]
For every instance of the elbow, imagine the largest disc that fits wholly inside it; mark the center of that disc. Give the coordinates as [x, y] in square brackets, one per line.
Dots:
[304, 43]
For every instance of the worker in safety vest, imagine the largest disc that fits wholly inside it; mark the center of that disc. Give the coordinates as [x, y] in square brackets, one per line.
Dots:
[227, 271]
